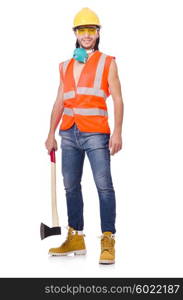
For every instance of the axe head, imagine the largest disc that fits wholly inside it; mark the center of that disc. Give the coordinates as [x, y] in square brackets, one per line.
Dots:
[46, 231]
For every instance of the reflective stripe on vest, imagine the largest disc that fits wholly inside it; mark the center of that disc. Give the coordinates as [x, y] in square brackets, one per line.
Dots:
[99, 72]
[65, 64]
[85, 91]
[91, 91]
[95, 91]
[69, 95]
[85, 111]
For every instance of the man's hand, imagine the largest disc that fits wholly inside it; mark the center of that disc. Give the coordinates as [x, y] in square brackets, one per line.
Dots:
[115, 143]
[51, 143]
[115, 89]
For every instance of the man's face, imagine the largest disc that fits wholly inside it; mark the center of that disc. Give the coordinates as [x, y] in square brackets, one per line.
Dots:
[87, 36]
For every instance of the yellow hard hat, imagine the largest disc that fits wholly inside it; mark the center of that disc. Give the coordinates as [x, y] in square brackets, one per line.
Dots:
[86, 17]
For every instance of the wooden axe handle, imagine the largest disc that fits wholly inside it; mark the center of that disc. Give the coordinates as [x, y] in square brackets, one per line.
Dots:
[55, 218]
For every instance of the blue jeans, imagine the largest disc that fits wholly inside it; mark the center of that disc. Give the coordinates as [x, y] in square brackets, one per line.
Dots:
[74, 144]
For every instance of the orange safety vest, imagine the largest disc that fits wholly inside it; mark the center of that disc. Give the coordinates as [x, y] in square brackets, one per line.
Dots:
[85, 104]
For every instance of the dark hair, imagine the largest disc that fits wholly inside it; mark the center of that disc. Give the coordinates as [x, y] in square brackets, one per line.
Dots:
[96, 44]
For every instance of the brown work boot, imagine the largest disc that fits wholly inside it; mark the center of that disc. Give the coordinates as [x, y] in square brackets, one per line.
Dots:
[73, 244]
[107, 255]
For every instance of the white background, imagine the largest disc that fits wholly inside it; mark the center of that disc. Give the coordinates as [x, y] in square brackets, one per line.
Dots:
[146, 39]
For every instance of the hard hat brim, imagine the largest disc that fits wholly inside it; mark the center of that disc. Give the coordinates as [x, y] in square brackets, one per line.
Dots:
[76, 27]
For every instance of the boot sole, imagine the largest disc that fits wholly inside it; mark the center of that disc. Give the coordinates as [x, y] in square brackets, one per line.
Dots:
[76, 252]
[106, 262]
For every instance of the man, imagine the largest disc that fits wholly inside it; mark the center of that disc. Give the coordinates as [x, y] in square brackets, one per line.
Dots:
[86, 80]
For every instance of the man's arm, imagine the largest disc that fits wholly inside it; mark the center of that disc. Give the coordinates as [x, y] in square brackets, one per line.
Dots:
[56, 115]
[115, 89]
[57, 110]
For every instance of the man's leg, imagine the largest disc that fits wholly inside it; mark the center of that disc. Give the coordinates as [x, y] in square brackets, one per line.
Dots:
[72, 168]
[99, 156]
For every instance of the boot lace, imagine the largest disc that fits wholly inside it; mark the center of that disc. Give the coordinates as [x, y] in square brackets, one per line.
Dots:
[107, 242]
[70, 234]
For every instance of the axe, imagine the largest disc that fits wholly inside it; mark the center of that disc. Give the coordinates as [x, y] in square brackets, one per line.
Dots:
[46, 231]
